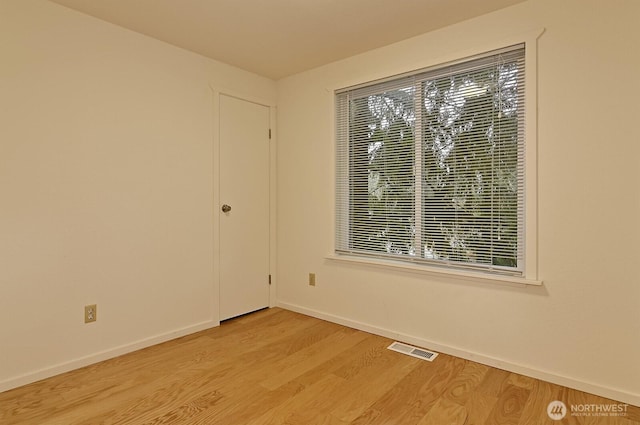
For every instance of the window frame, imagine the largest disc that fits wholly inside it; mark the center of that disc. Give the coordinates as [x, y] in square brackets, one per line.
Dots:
[530, 272]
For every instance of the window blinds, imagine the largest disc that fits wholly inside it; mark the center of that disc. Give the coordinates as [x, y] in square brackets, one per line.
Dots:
[430, 165]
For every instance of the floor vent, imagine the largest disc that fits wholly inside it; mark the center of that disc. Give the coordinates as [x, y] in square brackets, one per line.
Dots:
[413, 351]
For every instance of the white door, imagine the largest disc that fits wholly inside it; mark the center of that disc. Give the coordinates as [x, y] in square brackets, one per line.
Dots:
[244, 207]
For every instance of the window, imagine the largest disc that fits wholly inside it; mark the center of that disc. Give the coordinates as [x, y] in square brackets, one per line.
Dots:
[431, 166]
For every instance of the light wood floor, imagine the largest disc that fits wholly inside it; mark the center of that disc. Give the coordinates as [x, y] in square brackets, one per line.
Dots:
[279, 367]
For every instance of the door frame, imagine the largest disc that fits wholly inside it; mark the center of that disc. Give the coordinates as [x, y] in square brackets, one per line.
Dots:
[216, 93]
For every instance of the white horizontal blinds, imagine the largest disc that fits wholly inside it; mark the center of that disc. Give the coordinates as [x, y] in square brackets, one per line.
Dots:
[430, 166]
[473, 200]
[342, 172]
[376, 142]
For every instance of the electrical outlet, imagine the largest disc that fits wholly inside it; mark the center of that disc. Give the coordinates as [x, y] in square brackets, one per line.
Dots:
[90, 313]
[312, 279]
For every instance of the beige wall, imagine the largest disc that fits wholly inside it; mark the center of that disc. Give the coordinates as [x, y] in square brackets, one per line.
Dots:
[106, 188]
[582, 327]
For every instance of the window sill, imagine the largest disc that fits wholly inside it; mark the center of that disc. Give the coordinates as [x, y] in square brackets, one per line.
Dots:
[466, 275]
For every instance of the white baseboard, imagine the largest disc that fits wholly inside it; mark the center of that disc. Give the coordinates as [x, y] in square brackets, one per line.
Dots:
[48, 372]
[603, 391]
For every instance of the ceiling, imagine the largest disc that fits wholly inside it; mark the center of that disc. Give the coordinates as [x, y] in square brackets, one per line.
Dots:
[278, 38]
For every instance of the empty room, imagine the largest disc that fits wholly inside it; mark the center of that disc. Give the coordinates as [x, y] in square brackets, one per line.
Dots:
[319, 212]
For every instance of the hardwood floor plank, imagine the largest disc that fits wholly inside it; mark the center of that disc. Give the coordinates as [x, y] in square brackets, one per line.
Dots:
[243, 406]
[467, 381]
[411, 398]
[361, 390]
[633, 413]
[319, 331]
[303, 401]
[312, 356]
[521, 381]
[185, 412]
[375, 355]
[280, 367]
[345, 359]
[509, 407]
[494, 382]
[370, 416]
[147, 407]
[479, 405]
[313, 417]
[535, 412]
[445, 412]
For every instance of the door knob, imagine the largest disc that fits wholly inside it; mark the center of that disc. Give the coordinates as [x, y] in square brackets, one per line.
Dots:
[226, 208]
